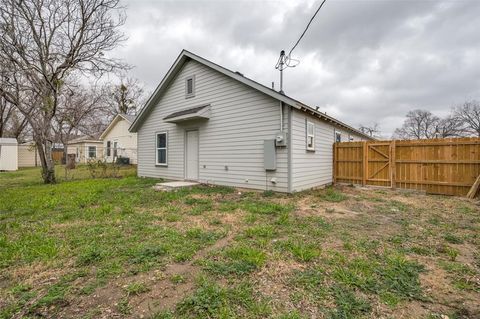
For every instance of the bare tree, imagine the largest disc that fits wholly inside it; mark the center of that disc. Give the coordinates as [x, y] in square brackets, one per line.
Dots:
[5, 114]
[78, 108]
[468, 114]
[18, 128]
[450, 126]
[419, 124]
[45, 41]
[126, 97]
[371, 130]
[12, 122]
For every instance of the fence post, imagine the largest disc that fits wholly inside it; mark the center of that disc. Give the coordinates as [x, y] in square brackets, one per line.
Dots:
[364, 163]
[393, 161]
[334, 150]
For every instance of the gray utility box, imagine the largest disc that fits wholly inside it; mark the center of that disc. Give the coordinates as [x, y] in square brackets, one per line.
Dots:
[269, 155]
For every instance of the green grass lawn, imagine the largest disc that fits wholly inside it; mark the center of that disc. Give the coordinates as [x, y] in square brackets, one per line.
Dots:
[113, 247]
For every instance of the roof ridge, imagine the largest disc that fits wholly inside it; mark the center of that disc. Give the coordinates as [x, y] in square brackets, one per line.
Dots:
[185, 54]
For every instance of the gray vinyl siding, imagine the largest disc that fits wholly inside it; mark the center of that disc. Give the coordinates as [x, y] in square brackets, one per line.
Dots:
[241, 119]
[313, 169]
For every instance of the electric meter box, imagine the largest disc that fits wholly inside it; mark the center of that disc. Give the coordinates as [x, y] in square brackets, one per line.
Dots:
[281, 139]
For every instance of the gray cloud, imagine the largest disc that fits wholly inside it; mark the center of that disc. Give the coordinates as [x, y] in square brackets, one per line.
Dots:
[362, 61]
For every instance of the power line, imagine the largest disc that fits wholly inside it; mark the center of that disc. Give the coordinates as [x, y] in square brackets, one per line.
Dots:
[306, 28]
[285, 61]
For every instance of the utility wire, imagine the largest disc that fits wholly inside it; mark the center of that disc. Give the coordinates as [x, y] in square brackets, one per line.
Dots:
[285, 61]
[308, 25]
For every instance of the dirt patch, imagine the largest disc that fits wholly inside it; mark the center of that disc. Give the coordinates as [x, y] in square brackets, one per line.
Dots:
[272, 281]
[311, 207]
[163, 291]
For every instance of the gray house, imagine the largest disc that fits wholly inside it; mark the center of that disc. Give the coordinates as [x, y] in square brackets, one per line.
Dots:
[209, 124]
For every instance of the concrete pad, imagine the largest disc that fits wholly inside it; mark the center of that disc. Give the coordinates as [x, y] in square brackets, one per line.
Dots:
[169, 186]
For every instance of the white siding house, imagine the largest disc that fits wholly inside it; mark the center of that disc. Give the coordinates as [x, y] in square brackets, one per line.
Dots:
[85, 149]
[212, 125]
[28, 155]
[118, 141]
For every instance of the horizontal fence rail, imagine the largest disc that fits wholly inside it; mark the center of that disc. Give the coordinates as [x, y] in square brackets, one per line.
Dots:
[438, 166]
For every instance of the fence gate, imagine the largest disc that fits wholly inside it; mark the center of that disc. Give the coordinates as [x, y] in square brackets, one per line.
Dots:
[378, 164]
[439, 166]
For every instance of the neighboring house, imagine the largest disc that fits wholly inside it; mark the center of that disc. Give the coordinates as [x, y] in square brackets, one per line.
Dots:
[209, 124]
[85, 148]
[118, 141]
[28, 155]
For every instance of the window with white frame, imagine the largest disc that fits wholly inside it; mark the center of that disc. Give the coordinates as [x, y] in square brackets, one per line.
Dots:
[190, 86]
[161, 148]
[338, 137]
[109, 144]
[310, 138]
[92, 152]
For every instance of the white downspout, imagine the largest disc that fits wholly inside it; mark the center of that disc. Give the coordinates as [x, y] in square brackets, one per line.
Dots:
[281, 116]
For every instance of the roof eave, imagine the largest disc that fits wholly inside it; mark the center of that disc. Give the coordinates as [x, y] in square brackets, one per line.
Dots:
[173, 70]
[113, 122]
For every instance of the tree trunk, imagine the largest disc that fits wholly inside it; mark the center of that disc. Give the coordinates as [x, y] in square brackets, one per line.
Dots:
[48, 166]
[65, 154]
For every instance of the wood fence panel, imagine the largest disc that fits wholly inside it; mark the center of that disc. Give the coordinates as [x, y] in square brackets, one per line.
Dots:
[57, 155]
[438, 166]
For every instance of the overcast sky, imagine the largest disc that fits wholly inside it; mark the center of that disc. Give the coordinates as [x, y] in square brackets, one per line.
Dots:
[362, 61]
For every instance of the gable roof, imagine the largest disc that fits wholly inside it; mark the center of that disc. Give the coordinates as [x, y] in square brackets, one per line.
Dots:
[83, 139]
[118, 117]
[185, 56]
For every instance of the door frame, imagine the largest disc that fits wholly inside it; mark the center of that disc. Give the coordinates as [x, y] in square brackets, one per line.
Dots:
[192, 129]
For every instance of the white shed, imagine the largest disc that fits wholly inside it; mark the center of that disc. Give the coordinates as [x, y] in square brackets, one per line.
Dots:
[8, 154]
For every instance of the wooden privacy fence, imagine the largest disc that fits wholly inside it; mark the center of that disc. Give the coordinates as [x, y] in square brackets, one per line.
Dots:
[439, 166]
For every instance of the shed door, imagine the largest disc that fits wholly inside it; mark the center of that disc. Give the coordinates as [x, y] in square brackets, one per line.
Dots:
[191, 159]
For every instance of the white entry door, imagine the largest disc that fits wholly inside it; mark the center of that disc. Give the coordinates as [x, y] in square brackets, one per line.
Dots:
[191, 156]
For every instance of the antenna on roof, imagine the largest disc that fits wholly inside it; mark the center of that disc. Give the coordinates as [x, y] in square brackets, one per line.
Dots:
[280, 67]
[286, 61]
